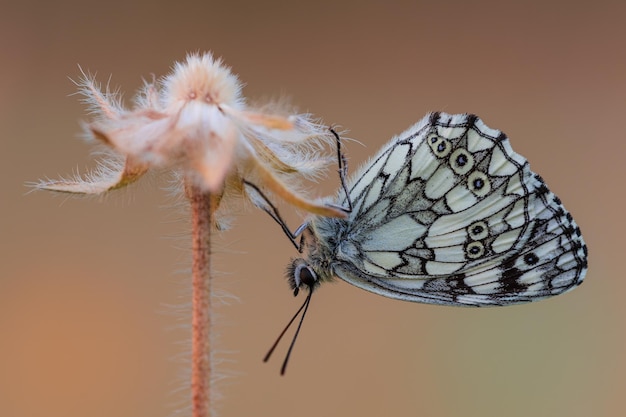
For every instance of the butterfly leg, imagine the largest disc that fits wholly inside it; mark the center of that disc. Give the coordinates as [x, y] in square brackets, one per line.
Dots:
[261, 201]
[342, 164]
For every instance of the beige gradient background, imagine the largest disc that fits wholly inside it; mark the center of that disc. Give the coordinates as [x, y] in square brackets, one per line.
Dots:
[87, 286]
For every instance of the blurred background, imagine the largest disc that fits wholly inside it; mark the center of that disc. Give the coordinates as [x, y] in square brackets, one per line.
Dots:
[93, 292]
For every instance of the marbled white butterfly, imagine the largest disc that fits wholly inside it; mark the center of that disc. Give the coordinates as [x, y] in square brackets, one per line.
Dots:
[446, 213]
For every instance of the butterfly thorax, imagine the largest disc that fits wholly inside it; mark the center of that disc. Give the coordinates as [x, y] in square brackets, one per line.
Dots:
[326, 238]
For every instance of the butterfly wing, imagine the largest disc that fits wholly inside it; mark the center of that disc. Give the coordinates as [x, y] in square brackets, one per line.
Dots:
[448, 213]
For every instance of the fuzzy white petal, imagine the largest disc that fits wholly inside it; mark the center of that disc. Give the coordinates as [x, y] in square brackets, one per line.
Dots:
[110, 174]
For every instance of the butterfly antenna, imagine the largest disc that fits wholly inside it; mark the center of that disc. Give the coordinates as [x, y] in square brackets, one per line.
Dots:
[269, 353]
[295, 336]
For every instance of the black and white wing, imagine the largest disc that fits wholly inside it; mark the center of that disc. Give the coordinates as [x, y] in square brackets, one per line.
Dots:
[448, 213]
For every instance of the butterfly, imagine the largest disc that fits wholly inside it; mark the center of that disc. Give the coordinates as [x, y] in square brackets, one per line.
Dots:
[446, 213]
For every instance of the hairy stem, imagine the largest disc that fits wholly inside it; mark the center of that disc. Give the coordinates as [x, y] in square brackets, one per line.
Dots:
[202, 212]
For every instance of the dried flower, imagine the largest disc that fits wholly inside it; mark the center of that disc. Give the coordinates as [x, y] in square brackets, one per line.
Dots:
[196, 121]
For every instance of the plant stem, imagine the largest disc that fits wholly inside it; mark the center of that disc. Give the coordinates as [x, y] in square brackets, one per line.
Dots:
[202, 212]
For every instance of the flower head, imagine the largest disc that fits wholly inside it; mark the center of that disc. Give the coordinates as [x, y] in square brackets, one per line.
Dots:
[196, 121]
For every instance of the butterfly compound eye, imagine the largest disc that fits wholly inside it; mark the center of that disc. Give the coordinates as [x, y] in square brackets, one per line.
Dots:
[307, 276]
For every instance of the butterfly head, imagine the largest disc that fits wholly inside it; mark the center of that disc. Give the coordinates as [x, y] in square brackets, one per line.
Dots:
[301, 275]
